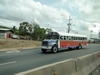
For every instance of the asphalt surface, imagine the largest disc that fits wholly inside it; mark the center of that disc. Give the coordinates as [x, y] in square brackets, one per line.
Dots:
[15, 61]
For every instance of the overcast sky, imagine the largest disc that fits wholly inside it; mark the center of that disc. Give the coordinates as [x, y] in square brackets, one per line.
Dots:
[53, 14]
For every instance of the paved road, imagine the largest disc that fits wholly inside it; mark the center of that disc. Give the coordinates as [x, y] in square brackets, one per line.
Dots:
[15, 61]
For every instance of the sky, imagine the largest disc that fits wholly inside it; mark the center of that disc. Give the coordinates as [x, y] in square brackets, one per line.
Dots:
[84, 14]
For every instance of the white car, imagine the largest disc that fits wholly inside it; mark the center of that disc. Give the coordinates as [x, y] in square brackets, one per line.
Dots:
[14, 36]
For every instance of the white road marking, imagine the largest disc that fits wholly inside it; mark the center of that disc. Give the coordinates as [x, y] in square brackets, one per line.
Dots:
[13, 51]
[9, 52]
[8, 63]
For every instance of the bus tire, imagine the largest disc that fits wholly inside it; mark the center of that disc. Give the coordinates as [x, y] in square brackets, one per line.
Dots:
[79, 46]
[43, 50]
[54, 49]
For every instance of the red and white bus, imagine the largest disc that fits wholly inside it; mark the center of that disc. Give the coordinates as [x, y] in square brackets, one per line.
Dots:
[56, 41]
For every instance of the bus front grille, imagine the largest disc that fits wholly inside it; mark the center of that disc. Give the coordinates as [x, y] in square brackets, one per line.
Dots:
[45, 43]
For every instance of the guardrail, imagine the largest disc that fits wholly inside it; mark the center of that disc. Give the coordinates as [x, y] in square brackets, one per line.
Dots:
[81, 66]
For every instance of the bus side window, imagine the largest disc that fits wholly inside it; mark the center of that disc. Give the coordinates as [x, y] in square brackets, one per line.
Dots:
[61, 38]
[83, 38]
[70, 38]
[76, 38]
[86, 38]
[73, 38]
[79, 38]
[65, 37]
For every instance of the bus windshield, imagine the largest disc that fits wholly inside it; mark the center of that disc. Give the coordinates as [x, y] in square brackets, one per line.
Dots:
[52, 37]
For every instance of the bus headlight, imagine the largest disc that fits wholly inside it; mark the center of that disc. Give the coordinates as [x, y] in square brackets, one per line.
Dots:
[50, 44]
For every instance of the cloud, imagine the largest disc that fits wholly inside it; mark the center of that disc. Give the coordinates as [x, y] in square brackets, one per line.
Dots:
[20, 10]
[89, 9]
[14, 12]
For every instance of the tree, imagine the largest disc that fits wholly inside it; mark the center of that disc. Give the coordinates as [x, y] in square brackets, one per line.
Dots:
[24, 28]
[38, 32]
[14, 29]
[33, 30]
[42, 33]
[48, 30]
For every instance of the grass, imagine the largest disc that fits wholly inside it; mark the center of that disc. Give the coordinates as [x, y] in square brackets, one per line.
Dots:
[15, 43]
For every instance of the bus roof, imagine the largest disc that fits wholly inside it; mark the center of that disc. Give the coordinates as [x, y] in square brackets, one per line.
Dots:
[70, 34]
[66, 34]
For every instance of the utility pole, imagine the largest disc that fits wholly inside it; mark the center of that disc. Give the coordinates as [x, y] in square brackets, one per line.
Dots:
[69, 24]
[91, 34]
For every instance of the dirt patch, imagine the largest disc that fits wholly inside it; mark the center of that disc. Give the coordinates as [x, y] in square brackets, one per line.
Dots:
[15, 43]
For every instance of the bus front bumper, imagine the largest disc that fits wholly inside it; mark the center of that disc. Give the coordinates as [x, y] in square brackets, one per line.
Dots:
[46, 47]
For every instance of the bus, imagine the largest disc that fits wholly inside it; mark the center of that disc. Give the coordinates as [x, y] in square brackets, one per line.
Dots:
[56, 41]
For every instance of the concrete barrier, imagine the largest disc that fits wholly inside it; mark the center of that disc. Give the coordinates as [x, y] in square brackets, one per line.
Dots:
[97, 58]
[96, 63]
[66, 67]
[81, 66]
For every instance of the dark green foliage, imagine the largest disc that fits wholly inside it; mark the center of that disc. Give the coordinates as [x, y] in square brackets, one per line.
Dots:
[15, 30]
[39, 33]
[33, 30]
[48, 30]
[23, 28]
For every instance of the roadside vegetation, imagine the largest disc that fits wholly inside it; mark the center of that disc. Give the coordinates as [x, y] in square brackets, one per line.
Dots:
[31, 30]
[15, 43]
[33, 35]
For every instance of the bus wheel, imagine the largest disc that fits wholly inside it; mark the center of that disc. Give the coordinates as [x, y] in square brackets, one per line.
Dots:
[79, 46]
[43, 50]
[54, 49]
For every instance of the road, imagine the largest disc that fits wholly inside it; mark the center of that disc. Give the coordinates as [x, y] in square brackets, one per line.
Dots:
[15, 61]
